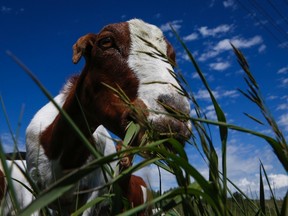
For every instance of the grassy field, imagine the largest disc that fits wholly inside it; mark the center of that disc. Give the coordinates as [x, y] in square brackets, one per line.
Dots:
[203, 196]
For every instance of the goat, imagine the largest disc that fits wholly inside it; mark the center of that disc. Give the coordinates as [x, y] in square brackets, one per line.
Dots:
[105, 146]
[19, 181]
[44, 171]
[133, 187]
[130, 57]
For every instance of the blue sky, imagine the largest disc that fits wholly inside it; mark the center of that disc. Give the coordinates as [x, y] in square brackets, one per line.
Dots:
[42, 33]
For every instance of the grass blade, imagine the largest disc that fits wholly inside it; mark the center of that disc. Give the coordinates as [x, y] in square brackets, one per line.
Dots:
[262, 194]
[45, 199]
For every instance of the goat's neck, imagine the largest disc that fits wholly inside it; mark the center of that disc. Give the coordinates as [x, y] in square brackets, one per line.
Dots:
[59, 140]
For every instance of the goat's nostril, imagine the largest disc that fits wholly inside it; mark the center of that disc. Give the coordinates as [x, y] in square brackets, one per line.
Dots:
[174, 104]
[175, 123]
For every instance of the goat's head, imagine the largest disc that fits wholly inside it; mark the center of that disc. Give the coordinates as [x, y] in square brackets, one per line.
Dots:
[135, 57]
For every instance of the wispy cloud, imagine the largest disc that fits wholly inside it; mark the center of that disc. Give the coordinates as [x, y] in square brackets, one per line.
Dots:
[204, 31]
[5, 9]
[283, 121]
[272, 97]
[176, 24]
[8, 143]
[212, 3]
[224, 45]
[278, 180]
[219, 66]
[239, 42]
[283, 70]
[284, 45]
[191, 37]
[283, 106]
[284, 82]
[202, 94]
[262, 48]
[213, 32]
[8, 10]
[210, 112]
[230, 4]
[208, 76]
[152, 176]
[243, 167]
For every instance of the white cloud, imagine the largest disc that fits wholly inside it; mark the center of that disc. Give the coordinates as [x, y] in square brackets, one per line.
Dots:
[219, 66]
[245, 183]
[209, 77]
[224, 45]
[151, 175]
[242, 168]
[250, 185]
[8, 143]
[5, 9]
[272, 97]
[284, 45]
[284, 82]
[203, 94]
[282, 107]
[210, 112]
[238, 160]
[176, 24]
[262, 48]
[283, 121]
[259, 22]
[208, 55]
[230, 4]
[205, 31]
[230, 93]
[191, 37]
[240, 42]
[212, 3]
[278, 180]
[195, 75]
[283, 70]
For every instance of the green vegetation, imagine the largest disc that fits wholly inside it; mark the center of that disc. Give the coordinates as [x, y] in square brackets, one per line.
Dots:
[200, 197]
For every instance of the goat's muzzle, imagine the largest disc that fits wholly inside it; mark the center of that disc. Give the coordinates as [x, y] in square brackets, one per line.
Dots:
[170, 121]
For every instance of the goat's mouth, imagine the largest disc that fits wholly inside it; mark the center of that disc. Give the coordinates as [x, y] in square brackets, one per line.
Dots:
[171, 127]
[161, 126]
[170, 120]
[174, 121]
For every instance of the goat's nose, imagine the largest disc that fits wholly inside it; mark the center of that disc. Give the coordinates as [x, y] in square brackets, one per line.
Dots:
[174, 104]
[176, 121]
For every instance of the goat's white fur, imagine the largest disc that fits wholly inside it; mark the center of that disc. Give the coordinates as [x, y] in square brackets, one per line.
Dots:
[155, 74]
[44, 171]
[24, 196]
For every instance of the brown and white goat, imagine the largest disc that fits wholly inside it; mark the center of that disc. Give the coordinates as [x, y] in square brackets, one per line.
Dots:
[133, 187]
[129, 56]
[19, 181]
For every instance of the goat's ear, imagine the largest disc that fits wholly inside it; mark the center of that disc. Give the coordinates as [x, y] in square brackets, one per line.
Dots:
[171, 53]
[83, 47]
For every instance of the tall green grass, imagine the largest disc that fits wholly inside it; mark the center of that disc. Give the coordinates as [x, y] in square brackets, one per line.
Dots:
[194, 194]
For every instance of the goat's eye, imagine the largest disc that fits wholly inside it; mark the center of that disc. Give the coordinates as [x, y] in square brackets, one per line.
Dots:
[106, 42]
